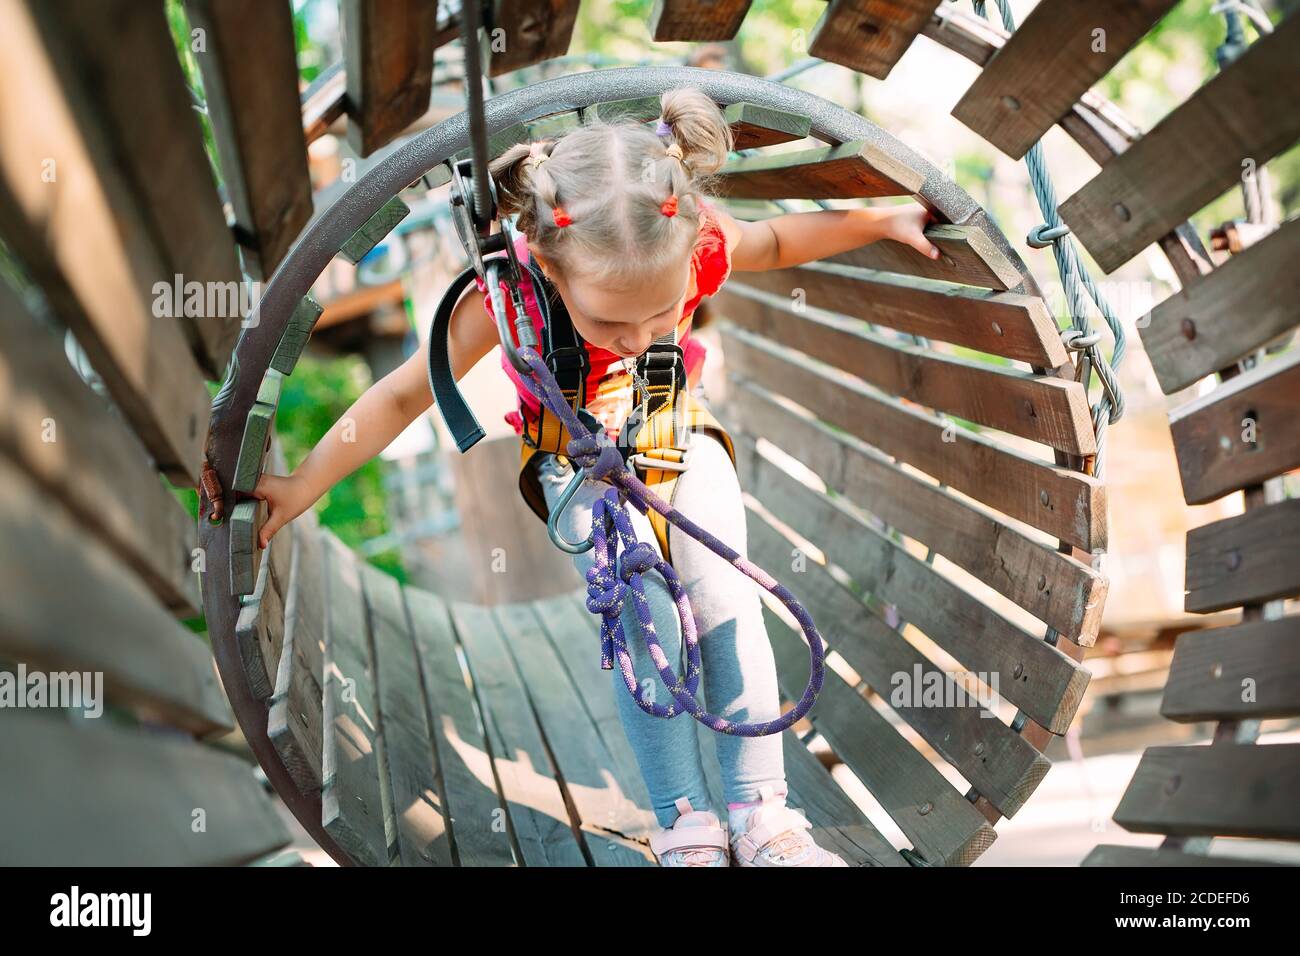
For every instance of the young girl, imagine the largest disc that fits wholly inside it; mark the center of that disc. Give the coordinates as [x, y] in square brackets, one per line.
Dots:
[616, 218]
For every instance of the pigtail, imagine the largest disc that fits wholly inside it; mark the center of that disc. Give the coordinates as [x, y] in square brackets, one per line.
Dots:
[524, 187]
[699, 128]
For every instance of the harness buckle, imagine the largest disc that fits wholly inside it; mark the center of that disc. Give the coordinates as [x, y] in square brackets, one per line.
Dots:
[645, 460]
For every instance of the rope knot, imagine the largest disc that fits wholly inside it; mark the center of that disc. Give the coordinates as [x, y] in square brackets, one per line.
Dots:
[599, 458]
[605, 593]
[638, 559]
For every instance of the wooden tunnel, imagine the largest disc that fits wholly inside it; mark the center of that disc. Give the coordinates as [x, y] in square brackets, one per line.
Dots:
[913, 427]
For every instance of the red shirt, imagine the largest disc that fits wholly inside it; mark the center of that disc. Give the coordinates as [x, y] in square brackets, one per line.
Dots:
[609, 383]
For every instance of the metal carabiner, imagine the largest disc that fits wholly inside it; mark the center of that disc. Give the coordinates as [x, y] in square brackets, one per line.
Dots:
[572, 547]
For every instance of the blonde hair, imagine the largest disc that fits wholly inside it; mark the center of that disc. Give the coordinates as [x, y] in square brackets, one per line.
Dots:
[612, 178]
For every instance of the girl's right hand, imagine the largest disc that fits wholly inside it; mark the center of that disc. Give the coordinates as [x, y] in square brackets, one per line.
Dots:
[286, 498]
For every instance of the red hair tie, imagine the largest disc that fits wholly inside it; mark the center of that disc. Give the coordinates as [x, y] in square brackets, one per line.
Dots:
[561, 217]
[669, 207]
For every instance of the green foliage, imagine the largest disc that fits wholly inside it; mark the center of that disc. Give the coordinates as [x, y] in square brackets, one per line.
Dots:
[312, 400]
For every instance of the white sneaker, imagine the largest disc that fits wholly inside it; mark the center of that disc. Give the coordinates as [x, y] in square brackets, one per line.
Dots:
[696, 838]
[777, 835]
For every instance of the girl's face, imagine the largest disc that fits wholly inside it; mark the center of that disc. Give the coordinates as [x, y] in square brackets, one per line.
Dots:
[626, 321]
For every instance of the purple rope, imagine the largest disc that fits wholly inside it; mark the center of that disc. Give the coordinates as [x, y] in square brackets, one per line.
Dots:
[609, 580]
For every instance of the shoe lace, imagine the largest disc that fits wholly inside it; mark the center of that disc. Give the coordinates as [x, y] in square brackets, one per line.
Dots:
[695, 856]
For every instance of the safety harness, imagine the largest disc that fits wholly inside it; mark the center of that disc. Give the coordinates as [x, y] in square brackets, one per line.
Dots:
[655, 437]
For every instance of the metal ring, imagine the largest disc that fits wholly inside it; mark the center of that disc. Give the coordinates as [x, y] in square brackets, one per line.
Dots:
[1043, 235]
[1079, 341]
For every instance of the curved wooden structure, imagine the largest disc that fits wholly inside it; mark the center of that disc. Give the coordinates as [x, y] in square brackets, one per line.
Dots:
[917, 450]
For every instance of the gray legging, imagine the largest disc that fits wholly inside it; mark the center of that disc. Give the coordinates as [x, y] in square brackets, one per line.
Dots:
[739, 671]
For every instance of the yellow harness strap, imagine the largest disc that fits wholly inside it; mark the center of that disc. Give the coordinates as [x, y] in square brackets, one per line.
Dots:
[655, 440]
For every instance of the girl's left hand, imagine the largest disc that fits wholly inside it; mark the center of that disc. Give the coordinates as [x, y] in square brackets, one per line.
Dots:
[908, 227]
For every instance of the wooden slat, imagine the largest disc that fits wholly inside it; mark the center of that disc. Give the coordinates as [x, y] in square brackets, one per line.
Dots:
[295, 724]
[1245, 790]
[352, 809]
[1000, 323]
[388, 58]
[293, 340]
[57, 429]
[70, 605]
[531, 31]
[1029, 672]
[118, 63]
[753, 126]
[999, 763]
[67, 212]
[246, 520]
[1245, 559]
[857, 169]
[574, 634]
[869, 36]
[1066, 504]
[532, 793]
[1111, 855]
[89, 793]
[257, 432]
[374, 230]
[422, 835]
[967, 254]
[1247, 672]
[1054, 587]
[943, 826]
[250, 82]
[474, 809]
[1224, 316]
[606, 815]
[259, 628]
[1046, 409]
[1242, 433]
[1049, 62]
[673, 20]
[1194, 154]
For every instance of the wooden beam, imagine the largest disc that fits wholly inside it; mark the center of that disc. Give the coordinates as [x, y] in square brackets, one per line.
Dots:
[1042, 408]
[1242, 790]
[1247, 672]
[1000, 323]
[388, 58]
[1246, 559]
[943, 826]
[524, 32]
[1049, 62]
[80, 610]
[69, 215]
[1047, 684]
[1055, 587]
[1226, 315]
[354, 810]
[690, 20]
[853, 170]
[58, 430]
[90, 793]
[295, 720]
[250, 81]
[1242, 433]
[1064, 503]
[869, 36]
[1237, 121]
[118, 68]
